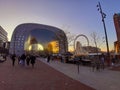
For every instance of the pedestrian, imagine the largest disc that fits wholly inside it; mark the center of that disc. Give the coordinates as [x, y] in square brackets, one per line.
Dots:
[4, 57]
[102, 62]
[98, 65]
[93, 65]
[13, 59]
[32, 58]
[18, 59]
[67, 59]
[113, 61]
[61, 59]
[48, 58]
[27, 60]
[22, 59]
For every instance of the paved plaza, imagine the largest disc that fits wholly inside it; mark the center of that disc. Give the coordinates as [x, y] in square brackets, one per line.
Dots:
[41, 77]
[104, 80]
[56, 76]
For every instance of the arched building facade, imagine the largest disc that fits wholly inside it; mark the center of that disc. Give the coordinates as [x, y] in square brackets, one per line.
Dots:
[38, 38]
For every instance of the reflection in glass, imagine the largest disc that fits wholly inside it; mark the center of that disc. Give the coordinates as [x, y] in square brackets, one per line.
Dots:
[53, 47]
[43, 41]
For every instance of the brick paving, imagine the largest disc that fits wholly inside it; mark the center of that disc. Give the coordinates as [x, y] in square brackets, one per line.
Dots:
[41, 77]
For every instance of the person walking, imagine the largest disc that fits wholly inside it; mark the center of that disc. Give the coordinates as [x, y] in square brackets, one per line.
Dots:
[27, 60]
[48, 58]
[93, 64]
[18, 59]
[98, 65]
[13, 59]
[102, 62]
[5, 57]
[113, 61]
[22, 58]
[32, 58]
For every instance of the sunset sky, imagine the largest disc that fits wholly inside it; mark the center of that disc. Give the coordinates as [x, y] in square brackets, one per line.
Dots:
[77, 16]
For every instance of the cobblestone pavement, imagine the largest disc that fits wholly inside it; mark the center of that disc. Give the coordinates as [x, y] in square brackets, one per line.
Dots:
[106, 79]
[41, 77]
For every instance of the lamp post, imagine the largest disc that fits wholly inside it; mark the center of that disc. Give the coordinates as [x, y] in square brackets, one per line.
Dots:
[103, 15]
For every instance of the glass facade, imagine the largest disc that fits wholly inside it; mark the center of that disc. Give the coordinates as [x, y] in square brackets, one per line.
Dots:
[38, 39]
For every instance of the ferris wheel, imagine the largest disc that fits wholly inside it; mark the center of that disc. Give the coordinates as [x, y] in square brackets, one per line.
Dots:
[80, 35]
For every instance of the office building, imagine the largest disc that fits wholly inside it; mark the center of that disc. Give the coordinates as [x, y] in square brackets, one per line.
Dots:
[3, 41]
[3, 35]
[116, 18]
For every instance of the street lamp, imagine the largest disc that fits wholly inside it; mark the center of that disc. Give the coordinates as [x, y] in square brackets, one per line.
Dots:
[103, 15]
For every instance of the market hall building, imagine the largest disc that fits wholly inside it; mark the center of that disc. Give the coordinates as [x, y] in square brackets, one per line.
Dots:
[38, 39]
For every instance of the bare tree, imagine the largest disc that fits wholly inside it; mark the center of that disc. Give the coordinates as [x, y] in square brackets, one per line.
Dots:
[96, 40]
[70, 38]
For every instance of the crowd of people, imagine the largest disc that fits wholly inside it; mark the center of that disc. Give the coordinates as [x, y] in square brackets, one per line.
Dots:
[23, 59]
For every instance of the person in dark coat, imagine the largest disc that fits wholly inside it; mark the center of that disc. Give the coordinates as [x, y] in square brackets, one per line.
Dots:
[48, 58]
[27, 60]
[32, 58]
[13, 59]
[22, 58]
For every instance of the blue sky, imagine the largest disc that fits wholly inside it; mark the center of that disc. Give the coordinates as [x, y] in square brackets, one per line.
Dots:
[77, 16]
